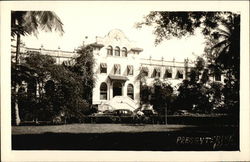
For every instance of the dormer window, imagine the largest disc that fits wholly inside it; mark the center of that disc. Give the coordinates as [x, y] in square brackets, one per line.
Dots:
[109, 51]
[117, 51]
[124, 52]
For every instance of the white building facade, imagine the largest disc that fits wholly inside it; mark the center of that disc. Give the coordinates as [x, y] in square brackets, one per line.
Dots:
[117, 66]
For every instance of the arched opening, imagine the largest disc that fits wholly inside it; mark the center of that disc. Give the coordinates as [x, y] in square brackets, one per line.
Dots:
[117, 51]
[103, 91]
[117, 89]
[130, 91]
[110, 51]
[124, 52]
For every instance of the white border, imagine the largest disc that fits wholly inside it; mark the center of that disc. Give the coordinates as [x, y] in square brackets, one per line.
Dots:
[8, 155]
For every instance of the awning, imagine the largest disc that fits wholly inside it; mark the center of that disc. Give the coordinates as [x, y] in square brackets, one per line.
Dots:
[158, 70]
[137, 49]
[130, 67]
[168, 70]
[144, 69]
[118, 77]
[181, 71]
[117, 66]
[97, 45]
[103, 65]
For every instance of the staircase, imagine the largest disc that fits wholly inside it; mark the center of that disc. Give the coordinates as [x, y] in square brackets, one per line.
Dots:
[119, 102]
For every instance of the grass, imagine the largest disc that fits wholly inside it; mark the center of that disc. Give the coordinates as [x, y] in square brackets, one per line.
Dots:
[125, 137]
[96, 128]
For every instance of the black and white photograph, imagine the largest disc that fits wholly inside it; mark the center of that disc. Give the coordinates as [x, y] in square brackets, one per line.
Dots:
[126, 77]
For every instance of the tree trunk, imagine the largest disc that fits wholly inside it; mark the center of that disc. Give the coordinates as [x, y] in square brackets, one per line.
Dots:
[18, 40]
[17, 117]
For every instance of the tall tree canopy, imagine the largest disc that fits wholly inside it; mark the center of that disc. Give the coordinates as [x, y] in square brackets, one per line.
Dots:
[221, 29]
[26, 23]
[222, 33]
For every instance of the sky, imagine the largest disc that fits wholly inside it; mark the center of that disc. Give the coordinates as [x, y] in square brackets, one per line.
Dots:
[85, 21]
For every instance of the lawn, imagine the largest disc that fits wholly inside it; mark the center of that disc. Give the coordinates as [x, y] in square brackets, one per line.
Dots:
[125, 137]
[97, 128]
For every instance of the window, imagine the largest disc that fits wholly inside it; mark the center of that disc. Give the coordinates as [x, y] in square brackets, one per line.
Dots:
[217, 76]
[130, 91]
[110, 51]
[103, 91]
[157, 72]
[103, 68]
[168, 73]
[124, 52]
[130, 70]
[179, 74]
[144, 71]
[117, 51]
[117, 69]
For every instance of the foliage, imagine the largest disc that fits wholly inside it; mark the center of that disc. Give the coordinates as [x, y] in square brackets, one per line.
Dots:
[83, 67]
[179, 24]
[145, 94]
[52, 91]
[160, 95]
[28, 22]
[222, 52]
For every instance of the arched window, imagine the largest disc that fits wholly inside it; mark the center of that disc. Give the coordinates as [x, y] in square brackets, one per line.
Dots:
[110, 51]
[117, 51]
[103, 91]
[130, 91]
[124, 52]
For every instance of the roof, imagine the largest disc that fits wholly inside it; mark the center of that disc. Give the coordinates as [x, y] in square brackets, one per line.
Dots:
[137, 49]
[97, 45]
[118, 77]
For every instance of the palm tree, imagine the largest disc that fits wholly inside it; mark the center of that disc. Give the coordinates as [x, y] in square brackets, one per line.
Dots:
[227, 50]
[27, 23]
[227, 58]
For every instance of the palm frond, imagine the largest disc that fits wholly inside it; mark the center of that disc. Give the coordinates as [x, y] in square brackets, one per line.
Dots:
[220, 44]
[29, 22]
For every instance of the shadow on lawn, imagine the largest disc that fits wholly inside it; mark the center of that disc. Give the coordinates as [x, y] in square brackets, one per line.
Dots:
[191, 139]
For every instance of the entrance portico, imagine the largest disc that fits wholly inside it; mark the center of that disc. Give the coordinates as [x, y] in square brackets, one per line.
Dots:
[117, 85]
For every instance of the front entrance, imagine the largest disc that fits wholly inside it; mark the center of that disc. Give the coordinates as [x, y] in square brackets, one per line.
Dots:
[117, 89]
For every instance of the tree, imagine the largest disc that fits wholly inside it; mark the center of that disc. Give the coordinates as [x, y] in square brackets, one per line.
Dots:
[221, 29]
[144, 88]
[26, 23]
[222, 32]
[83, 67]
[162, 94]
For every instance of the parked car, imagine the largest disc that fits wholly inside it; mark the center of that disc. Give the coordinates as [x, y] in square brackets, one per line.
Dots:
[182, 112]
[122, 112]
[149, 113]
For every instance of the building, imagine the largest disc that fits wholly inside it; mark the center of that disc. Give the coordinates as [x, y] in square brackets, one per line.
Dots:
[117, 68]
